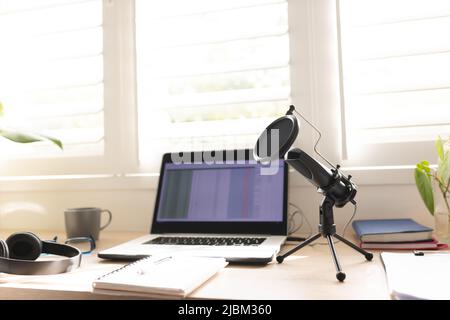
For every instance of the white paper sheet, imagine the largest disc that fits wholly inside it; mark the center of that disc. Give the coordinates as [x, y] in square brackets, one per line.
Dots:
[418, 277]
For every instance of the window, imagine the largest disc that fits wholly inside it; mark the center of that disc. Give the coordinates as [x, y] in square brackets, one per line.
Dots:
[211, 73]
[396, 78]
[51, 78]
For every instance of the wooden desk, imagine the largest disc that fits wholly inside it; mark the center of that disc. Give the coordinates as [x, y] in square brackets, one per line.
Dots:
[309, 274]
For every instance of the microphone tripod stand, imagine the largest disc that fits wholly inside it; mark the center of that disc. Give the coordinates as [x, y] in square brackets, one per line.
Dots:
[327, 229]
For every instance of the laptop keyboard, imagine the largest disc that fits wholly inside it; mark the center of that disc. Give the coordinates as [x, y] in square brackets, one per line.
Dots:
[207, 241]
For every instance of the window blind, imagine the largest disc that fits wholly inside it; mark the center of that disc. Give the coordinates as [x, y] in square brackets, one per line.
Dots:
[51, 74]
[211, 73]
[396, 70]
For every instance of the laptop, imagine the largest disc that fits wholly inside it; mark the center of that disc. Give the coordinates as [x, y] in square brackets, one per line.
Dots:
[232, 208]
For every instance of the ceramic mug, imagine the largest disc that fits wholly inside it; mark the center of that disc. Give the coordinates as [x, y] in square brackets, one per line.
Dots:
[85, 222]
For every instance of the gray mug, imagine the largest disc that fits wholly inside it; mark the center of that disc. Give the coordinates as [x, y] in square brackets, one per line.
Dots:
[85, 222]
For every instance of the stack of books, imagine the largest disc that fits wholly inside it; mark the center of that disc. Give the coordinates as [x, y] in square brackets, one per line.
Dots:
[395, 234]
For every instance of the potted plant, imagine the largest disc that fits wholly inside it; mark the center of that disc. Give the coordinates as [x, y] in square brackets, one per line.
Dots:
[22, 137]
[433, 184]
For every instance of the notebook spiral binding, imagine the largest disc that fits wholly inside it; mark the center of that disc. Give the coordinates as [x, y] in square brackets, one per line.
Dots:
[123, 267]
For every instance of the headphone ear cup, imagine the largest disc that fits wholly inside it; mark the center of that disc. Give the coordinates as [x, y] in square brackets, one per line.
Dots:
[24, 246]
[4, 252]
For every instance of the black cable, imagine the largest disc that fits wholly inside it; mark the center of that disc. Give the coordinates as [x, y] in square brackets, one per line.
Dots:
[351, 219]
[295, 239]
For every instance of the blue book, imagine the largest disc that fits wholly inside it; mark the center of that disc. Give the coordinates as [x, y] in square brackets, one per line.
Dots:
[391, 230]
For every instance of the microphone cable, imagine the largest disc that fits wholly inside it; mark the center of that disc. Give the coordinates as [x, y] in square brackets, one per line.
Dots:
[355, 208]
[293, 110]
[293, 229]
[304, 219]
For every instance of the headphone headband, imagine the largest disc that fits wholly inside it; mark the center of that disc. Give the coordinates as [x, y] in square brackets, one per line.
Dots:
[28, 267]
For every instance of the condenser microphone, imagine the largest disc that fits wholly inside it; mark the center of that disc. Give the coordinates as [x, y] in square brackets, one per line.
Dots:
[275, 143]
[285, 131]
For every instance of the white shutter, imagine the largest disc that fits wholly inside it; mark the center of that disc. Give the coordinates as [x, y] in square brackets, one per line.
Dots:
[396, 71]
[51, 74]
[211, 73]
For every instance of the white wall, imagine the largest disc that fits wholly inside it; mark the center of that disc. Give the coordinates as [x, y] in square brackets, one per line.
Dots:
[133, 208]
[44, 210]
[374, 202]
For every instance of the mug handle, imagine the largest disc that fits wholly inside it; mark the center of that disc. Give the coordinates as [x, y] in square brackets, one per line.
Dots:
[109, 219]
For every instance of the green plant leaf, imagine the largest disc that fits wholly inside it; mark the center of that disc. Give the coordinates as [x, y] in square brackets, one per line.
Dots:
[440, 148]
[423, 183]
[54, 140]
[1, 109]
[21, 137]
[425, 166]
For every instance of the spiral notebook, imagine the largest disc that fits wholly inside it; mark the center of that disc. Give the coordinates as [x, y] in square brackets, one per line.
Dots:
[159, 276]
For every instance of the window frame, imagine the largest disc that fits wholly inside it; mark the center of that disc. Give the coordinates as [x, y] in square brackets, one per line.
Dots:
[118, 122]
[316, 90]
[377, 155]
[382, 164]
[217, 126]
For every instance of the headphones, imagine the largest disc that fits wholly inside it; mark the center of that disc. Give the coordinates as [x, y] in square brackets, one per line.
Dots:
[19, 252]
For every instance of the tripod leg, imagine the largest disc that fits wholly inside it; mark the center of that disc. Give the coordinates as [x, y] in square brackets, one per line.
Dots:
[281, 257]
[339, 274]
[368, 255]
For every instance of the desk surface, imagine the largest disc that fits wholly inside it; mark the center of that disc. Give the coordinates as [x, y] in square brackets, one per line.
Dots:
[309, 274]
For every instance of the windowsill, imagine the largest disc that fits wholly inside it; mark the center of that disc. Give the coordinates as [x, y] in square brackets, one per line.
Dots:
[141, 181]
[78, 182]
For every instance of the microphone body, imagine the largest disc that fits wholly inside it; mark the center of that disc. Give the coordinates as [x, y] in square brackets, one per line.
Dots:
[275, 143]
[328, 181]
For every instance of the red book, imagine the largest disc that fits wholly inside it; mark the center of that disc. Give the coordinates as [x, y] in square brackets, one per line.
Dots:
[422, 245]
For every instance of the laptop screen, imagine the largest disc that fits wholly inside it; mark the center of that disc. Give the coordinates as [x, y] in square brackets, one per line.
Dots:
[221, 193]
[233, 196]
